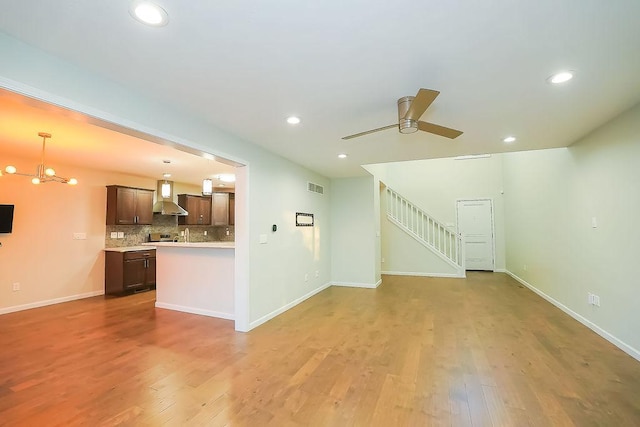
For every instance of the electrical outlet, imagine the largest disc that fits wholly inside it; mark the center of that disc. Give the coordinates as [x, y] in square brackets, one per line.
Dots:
[382, 260]
[524, 267]
[317, 273]
[16, 286]
[227, 231]
[114, 234]
[79, 236]
[120, 234]
[205, 232]
[306, 277]
[596, 300]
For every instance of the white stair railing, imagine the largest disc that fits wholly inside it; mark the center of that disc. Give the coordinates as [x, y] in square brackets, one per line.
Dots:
[442, 241]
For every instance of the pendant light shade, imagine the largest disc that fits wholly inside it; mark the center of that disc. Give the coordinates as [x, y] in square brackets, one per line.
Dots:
[165, 190]
[207, 187]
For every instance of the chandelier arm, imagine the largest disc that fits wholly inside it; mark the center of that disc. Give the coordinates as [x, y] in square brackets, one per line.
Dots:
[24, 174]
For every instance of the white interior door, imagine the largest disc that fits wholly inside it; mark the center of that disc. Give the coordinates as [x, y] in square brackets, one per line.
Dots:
[475, 223]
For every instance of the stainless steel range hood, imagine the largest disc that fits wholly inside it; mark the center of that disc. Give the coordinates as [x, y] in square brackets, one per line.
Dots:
[167, 206]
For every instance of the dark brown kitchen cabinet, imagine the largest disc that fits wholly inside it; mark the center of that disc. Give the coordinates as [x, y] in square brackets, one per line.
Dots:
[129, 206]
[130, 271]
[220, 209]
[199, 208]
[232, 209]
[224, 208]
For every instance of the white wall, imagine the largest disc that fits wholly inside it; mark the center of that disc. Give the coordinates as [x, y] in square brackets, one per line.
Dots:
[291, 252]
[267, 193]
[354, 257]
[551, 197]
[435, 186]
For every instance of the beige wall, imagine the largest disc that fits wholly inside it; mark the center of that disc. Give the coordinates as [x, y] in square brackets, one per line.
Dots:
[551, 197]
[41, 254]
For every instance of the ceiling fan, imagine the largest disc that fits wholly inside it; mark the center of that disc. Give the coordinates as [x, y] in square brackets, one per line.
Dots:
[410, 109]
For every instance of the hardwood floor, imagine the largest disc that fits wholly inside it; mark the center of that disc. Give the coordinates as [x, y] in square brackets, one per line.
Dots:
[415, 352]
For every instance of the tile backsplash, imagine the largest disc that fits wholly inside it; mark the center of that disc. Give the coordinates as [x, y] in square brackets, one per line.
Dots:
[134, 235]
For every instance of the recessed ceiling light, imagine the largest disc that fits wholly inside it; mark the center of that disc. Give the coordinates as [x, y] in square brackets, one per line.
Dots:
[509, 139]
[561, 77]
[226, 177]
[149, 13]
[166, 175]
[293, 120]
[342, 156]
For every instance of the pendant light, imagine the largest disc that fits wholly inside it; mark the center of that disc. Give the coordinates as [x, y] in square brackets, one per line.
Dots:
[207, 187]
[165, 189]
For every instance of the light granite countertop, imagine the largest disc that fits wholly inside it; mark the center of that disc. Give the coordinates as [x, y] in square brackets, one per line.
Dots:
[194, 245]
[130, 248]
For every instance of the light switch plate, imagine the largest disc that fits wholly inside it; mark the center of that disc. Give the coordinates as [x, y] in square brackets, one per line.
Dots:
[79, 236]
[263, 238]
[120, 234]
[114, 234]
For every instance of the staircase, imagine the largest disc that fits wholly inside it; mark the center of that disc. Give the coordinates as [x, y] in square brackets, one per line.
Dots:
[445, 243]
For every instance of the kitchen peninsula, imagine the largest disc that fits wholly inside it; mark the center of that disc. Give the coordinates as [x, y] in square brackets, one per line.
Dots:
[196, 277]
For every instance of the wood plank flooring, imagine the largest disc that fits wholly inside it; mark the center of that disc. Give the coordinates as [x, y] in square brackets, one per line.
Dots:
[482, 351]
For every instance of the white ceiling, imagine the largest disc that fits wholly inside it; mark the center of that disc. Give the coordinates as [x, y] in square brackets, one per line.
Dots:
[341, 66]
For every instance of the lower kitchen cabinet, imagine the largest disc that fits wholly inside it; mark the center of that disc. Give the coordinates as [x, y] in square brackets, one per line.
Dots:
[129, 271]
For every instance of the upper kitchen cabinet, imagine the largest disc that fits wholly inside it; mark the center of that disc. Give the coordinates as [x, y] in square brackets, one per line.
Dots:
[223, 209]
[232, 208]
[199, 208]
[129, 206]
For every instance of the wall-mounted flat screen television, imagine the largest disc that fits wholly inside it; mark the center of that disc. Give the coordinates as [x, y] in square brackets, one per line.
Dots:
[6, 218]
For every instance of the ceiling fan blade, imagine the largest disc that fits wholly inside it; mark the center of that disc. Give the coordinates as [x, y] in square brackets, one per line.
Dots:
[420, 103]
[439, 130]
[370, 131]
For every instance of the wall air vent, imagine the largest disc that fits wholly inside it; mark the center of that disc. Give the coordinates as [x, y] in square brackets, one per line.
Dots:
[315, 188]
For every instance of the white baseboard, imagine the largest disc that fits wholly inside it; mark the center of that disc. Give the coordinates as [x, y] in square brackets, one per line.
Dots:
[286, 307]
[420, 274]
[50, 302]
[194, 310]
[595, 328]
[358, 285]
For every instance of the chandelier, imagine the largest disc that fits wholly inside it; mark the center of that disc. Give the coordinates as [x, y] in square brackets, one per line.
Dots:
[43, 174]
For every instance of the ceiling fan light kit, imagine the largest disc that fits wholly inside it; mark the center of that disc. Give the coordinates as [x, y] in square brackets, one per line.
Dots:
[43, 174]
[406, 125]
[410, 109]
